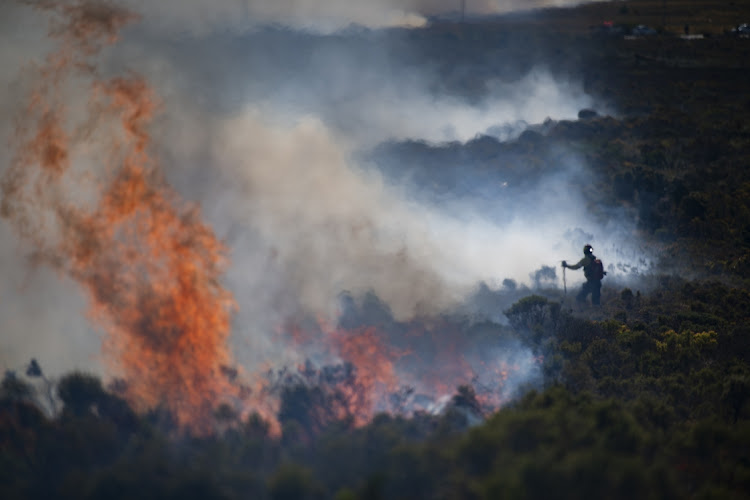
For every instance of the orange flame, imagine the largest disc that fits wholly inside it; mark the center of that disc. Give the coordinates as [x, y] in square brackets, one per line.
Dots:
[416, 370]
[150, 265]
[375, 372]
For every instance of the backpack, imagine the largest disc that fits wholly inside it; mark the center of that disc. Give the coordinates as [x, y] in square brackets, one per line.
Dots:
[597, 271]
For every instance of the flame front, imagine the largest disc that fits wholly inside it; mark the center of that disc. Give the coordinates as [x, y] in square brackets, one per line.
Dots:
[401, 369]
[150, 265]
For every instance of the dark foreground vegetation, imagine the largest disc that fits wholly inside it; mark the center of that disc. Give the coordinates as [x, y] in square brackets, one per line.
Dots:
[651, 402]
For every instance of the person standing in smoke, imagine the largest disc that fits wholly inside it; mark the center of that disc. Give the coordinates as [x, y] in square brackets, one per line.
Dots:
[593, 271]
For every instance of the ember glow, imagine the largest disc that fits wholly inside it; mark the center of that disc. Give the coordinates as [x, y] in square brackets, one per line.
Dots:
[407, 367]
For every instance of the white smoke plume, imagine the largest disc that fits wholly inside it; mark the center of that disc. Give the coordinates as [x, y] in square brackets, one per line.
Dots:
[271, 155]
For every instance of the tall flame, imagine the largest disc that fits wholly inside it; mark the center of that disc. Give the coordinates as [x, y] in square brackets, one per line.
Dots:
[149, 264]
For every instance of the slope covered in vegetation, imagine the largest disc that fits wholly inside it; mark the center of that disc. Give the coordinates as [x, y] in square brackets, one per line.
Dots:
[649, 400]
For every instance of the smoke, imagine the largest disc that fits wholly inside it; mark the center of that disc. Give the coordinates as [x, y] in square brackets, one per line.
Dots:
[200, 17]
[41, 317]
[269, 133]
[334, 227]
[369, 86]
[411, 112]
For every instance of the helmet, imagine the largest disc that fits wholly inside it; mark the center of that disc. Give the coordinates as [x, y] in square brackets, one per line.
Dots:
[588, 249]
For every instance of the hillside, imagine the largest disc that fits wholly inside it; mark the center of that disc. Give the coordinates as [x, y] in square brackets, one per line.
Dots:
[645, 397]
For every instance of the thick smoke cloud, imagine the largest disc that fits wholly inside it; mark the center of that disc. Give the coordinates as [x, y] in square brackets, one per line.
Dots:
[268, 135]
